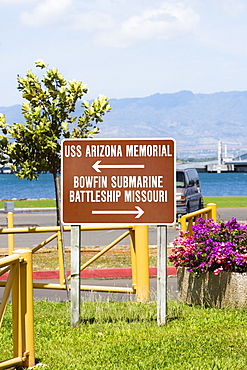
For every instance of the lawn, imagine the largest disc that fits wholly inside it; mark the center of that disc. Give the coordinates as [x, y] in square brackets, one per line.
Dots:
[222, 202]
[226, 202]
[117, 257]
[35, 203]
[125, 336]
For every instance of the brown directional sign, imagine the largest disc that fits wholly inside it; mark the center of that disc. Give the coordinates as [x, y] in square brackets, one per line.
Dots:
[118, 181]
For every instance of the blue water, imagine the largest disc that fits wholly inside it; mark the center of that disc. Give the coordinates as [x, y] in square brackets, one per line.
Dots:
[212, 184]
[11, 187]
[223, 184]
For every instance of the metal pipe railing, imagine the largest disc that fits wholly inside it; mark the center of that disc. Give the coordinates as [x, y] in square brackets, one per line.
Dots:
[187, 221]
[138, 249]
[21, 283]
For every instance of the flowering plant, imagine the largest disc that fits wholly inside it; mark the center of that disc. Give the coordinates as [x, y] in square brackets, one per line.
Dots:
[215, 247]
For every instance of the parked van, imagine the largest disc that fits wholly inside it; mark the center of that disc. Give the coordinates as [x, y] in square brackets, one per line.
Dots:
[188, 191]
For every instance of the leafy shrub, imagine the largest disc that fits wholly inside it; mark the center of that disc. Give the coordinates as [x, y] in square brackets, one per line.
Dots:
[215, 247]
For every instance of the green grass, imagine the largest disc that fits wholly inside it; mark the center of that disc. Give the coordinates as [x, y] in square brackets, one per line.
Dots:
[226, 202]
[125, 336]
[43, 203]
[222, 202]
[117, 257]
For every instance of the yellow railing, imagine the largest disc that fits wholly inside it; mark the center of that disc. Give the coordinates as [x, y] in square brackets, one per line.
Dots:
[19, 280]
[138, 247]
[187, 221]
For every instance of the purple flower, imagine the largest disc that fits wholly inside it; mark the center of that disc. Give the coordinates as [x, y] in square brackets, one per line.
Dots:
[215, 247]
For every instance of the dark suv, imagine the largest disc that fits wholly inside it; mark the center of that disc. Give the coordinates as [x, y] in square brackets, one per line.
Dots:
[188, 192]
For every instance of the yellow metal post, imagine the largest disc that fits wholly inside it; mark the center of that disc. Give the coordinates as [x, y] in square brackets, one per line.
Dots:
[60, 258]
[16, 314]
[26, 307]
[11, 243]
[214, 211]
[182, 221]
[142, 264]
[133, 257]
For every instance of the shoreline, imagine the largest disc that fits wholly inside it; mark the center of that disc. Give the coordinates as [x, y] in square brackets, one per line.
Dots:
[25, 199]
[41, 199]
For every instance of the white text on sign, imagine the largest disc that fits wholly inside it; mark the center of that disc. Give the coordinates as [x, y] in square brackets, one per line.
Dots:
[118, 182]
[133, 150]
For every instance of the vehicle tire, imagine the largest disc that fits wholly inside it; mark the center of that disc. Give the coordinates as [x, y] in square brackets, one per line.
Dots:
[188, 208]
[200, 205]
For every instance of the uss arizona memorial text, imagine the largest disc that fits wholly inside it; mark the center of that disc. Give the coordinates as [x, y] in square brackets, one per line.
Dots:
[114, 150]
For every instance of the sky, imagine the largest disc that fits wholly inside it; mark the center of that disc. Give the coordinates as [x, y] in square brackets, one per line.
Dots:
[126, 48]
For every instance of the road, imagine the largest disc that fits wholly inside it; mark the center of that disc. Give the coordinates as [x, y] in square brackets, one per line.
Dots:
[91, 238]
[61, 296]
[87, 296]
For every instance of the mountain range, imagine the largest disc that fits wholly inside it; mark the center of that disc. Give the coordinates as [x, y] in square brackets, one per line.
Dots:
[196, 121]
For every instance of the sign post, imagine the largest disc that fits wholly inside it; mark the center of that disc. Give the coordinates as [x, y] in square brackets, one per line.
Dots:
[161, 274]
[120, 182]
[75, 275]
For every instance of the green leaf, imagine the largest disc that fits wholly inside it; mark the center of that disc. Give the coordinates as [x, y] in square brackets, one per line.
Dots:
[40, 63]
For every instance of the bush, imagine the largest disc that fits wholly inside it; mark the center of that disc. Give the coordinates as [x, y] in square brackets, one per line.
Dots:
[215, 247]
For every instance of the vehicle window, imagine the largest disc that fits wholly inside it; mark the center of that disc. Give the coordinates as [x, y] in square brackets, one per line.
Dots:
[192, 175]
[180, 180]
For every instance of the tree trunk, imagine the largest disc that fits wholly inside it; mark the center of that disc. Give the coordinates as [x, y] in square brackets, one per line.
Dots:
[56, 180]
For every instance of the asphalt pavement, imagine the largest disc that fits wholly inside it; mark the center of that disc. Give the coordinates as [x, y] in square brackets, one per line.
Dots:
[91, 296]
[90, 238]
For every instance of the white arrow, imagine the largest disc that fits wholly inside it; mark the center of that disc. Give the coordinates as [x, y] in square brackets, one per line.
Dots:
[139, 212]
[97, 166]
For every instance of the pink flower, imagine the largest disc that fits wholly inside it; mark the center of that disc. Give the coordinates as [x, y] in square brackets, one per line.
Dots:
[244, 257]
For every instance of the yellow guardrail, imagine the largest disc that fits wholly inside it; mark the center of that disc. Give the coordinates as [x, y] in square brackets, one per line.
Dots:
[138, 249]
[187, 221]
[19, 265]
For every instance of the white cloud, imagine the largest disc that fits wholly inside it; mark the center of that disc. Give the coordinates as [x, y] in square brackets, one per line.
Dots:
[45, 12]
[93, 21]
[167, 21]
[116, 23]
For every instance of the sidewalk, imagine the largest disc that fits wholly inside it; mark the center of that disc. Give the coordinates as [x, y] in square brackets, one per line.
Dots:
[97, 273]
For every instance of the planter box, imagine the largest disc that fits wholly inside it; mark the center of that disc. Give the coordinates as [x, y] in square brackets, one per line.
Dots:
[228, 289]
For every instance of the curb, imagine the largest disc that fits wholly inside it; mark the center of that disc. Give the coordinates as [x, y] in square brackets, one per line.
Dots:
[96, 273]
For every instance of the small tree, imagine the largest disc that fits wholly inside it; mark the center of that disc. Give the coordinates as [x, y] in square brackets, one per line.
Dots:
[35, 146]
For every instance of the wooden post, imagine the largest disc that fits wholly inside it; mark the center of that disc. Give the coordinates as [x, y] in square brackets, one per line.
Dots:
[162, 274]
[75, 275]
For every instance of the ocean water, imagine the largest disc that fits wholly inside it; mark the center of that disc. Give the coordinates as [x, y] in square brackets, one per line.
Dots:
[11, 187]
[212, 184]
[223, 184]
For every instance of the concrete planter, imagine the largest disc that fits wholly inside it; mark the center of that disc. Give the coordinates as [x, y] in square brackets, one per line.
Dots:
[228, 289]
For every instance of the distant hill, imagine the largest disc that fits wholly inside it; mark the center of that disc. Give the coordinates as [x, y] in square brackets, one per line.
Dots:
[194, 120]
